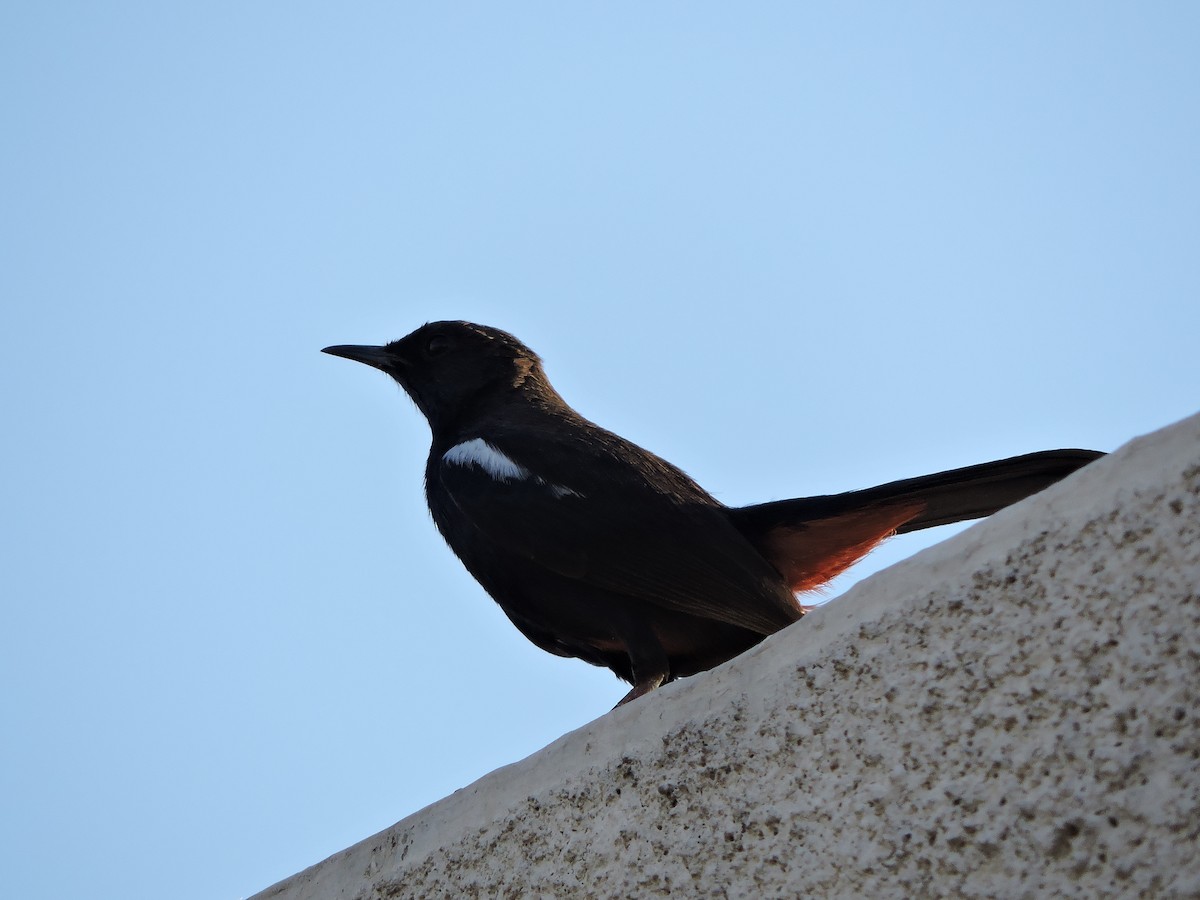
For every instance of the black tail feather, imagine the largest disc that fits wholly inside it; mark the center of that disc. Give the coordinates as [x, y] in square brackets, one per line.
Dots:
[952, 496]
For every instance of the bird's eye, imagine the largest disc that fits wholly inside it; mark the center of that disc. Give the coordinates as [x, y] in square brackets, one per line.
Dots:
[438, 344]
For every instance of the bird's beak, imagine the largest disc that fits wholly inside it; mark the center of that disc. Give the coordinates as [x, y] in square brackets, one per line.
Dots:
[378, 357]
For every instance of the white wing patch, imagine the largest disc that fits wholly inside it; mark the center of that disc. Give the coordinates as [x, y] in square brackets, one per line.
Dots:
[478, 452]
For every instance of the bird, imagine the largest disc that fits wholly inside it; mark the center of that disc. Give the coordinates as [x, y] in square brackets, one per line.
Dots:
[600, 550]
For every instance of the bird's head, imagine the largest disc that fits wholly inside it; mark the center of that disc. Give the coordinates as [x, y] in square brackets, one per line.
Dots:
[451, 369]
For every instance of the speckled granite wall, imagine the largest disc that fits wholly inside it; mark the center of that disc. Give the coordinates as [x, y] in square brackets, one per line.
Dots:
[1011, 713]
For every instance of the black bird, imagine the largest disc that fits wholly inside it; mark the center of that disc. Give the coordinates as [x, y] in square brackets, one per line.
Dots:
[600, 550]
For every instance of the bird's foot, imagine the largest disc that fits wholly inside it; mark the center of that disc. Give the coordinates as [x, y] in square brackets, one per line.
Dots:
[642, 688]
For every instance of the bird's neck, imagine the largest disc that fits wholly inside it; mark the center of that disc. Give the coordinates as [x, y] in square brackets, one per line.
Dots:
[530, 405]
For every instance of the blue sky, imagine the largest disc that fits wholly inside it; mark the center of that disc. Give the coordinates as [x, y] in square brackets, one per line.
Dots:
[793, 248]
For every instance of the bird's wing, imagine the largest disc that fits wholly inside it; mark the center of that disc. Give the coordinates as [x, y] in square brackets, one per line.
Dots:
[582, 512]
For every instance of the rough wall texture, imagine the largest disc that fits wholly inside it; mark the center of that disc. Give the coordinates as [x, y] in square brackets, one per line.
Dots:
[1011, 713]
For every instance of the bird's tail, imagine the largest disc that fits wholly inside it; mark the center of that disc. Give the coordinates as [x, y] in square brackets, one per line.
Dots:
[812, 539]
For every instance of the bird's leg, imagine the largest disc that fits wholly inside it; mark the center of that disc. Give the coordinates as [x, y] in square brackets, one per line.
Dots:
[641, 688]
[648, 662]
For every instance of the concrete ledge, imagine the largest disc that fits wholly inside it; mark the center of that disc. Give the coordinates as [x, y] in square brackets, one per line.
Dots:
[1011, 713]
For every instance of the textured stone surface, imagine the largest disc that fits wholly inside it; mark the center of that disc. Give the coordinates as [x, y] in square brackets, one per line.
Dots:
[1011, 713]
